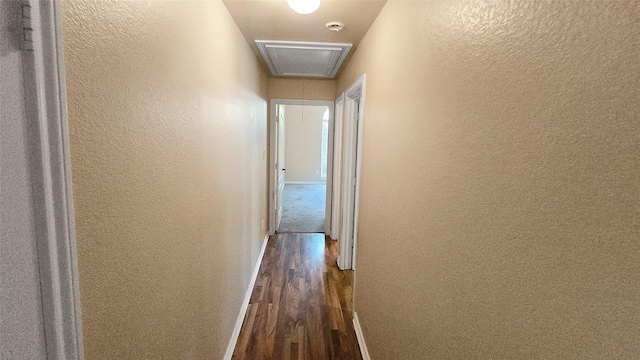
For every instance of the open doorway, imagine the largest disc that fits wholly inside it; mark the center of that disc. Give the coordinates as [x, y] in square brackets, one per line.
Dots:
[301, 163]
[304, 137]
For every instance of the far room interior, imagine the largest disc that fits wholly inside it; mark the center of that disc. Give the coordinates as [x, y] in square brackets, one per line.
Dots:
[304, 138]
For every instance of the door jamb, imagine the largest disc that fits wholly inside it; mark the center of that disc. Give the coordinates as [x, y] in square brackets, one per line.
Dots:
[335, 224]
[352, 163]
[272, 157]
[45, 96]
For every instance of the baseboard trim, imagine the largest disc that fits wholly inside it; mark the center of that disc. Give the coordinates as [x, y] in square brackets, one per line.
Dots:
[245, 304]
[360, 336]
[305, 182]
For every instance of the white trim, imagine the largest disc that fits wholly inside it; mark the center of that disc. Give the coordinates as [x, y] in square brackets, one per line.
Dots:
[363, 345]
[305, 182]
[245, 303]
[359, 85]
[272, 164]
[45, 97]
[336, 133]
[351, 168]
[272, 158]
[328, 180]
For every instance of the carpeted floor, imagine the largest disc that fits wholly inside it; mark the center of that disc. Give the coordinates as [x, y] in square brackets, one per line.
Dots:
[303, 208]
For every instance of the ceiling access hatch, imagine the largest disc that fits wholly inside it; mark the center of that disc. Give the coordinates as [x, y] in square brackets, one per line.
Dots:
[295, 58]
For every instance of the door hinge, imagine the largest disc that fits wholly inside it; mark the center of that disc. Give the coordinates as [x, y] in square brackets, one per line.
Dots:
[27, 29]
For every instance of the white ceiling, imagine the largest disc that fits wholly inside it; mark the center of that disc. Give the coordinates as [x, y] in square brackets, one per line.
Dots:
[274, 20]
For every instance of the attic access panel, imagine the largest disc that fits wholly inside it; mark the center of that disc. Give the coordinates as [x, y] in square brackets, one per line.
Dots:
[295, 58]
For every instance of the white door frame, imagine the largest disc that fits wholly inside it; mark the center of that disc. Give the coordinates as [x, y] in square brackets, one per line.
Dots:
[353, 124]
[48, 139]
[279, 170]
[337, 167]
[272, 158]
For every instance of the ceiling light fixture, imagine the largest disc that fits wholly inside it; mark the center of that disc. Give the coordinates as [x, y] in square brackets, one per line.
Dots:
[304, 6]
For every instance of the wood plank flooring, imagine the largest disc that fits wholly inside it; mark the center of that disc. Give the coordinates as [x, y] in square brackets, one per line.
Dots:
[301, 305]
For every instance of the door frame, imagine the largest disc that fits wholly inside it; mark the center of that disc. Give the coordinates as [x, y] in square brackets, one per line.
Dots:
[352, 136]
[48, 136]
[272, 158]
[279, 171]
[337, 171]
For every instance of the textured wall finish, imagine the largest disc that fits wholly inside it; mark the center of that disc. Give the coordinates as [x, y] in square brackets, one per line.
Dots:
[499, 210]
[167, 113]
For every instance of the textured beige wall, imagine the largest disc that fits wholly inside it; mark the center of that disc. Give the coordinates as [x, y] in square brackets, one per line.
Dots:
[500, 191]
[304, 89]
[303, 142]
[167, 112]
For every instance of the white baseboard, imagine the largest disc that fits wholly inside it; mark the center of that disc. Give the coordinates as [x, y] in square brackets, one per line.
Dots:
[361, 342]
[245, 304]
[305, 182]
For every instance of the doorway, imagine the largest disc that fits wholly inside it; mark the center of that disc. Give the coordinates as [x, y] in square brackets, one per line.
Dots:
[343, 167]
[301, 163]
[305, 159]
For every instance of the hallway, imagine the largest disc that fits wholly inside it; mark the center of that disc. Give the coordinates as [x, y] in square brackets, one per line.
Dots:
[497, 190]
[301, 306]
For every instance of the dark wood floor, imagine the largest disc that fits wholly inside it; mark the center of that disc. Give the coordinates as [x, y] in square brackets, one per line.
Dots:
[301, 306]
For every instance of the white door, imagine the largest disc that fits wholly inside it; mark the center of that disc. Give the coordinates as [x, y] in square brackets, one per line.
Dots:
[354, 174]
[280, 164]
[21, 315]
[349, 185]
[336, 169]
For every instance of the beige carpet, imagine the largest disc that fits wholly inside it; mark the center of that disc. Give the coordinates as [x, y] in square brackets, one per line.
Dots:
[303, 208]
